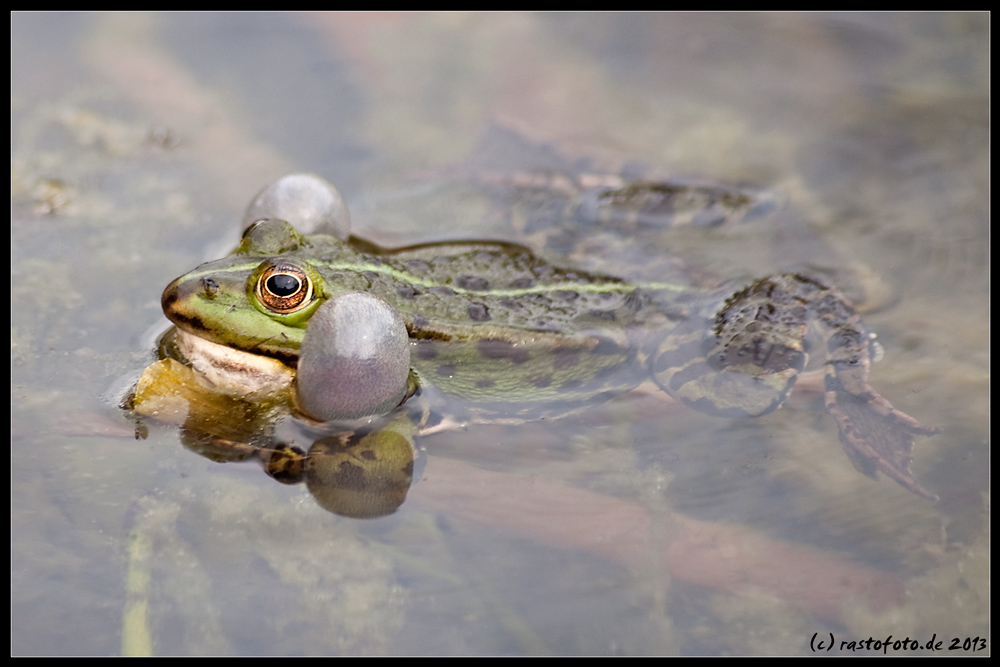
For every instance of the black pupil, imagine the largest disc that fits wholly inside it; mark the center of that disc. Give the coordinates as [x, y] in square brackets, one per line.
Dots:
[283, 284]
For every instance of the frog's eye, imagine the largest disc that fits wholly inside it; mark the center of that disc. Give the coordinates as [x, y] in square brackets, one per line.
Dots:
[284, 288]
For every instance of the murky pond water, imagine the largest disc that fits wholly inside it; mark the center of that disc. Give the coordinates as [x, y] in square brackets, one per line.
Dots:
[137, 142]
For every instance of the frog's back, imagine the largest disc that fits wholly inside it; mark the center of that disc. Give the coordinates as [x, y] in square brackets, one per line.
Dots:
[492, 322]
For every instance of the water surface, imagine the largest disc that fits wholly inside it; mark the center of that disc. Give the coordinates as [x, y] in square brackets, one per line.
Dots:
[137, 141]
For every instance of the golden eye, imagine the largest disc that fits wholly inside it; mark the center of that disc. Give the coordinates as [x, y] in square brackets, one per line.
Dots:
[284, 288]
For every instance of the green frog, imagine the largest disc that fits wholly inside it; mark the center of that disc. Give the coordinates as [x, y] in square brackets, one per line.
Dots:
[350, 331]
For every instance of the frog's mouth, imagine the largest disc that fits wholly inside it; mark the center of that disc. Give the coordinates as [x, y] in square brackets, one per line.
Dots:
[177, 303]
[232, 369]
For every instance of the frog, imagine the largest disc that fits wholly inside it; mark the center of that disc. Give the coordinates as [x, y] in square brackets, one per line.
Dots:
[347, 331]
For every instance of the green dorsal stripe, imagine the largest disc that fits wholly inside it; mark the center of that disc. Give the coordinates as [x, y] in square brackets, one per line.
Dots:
[423, 282]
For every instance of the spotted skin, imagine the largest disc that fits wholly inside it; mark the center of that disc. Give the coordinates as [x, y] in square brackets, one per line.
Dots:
[500, 330]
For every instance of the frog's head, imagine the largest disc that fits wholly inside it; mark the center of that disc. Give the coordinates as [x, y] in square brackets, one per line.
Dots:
[266, 307]
[258, 300]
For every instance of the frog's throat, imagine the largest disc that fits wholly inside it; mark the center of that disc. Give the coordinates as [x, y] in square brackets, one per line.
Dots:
[232, 370]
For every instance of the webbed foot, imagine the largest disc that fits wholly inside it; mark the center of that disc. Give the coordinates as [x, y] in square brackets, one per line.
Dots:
[875, 435]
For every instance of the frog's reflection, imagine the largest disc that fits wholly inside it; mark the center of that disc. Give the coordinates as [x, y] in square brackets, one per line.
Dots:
[364, 474]
[359, 475]
[361, 472]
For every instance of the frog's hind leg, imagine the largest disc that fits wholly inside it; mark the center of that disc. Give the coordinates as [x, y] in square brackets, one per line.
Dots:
[754, 350]
[741, 364]
[875, 435]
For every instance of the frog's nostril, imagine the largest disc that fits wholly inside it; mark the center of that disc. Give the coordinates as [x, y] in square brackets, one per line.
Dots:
[209, 287]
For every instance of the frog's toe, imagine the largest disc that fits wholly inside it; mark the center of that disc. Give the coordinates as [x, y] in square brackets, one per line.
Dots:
[354, 361]
[875, 436]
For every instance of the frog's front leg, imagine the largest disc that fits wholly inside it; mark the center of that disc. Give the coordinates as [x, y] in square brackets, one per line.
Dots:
[745, 362]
